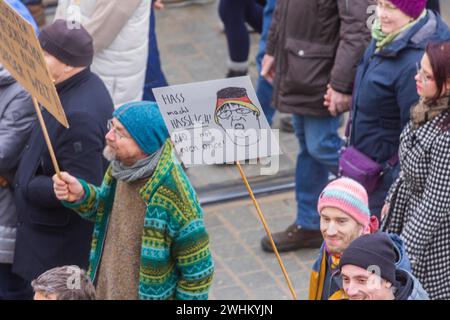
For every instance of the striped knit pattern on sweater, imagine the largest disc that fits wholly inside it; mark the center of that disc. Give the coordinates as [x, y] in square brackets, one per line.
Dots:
[176, 262]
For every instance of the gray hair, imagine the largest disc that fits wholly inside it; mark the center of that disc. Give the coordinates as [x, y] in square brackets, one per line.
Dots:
[67, 283]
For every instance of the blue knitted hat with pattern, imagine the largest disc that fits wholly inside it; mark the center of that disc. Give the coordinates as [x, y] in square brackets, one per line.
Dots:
[144, 122]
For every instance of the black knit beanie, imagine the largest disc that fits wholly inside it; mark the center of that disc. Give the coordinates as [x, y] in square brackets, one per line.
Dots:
[70, 45]
[372, 250]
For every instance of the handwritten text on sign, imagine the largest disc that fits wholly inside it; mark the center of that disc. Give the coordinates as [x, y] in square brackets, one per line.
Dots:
[21, 55]
[216, 121]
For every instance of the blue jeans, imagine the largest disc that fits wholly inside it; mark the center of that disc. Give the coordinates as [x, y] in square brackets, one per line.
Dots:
[154, 77]
[319, 155]
[13, 287]
[264, 89]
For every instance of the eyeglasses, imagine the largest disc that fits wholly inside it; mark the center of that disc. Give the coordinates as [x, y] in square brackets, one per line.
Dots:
[110, 126]
[226, 113]
[424, 78]
[386, 6]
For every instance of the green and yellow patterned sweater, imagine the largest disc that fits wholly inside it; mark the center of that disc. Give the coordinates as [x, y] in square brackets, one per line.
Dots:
[176, 262]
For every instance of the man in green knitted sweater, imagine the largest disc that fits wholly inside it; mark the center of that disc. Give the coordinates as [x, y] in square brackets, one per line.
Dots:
[149, 240]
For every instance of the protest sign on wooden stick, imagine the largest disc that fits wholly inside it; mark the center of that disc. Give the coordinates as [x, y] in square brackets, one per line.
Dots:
[217, 122]
[22, 55]
[46, 136]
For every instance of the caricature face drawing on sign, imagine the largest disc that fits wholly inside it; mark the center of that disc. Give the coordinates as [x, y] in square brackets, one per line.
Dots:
[237, 115]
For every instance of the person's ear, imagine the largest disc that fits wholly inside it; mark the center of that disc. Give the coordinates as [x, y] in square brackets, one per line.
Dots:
[362, 230]
[387, 284]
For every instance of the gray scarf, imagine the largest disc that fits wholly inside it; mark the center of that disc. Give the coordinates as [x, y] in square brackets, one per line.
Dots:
[142, 169]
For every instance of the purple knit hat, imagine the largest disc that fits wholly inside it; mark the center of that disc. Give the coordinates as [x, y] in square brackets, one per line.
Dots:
[412, 8]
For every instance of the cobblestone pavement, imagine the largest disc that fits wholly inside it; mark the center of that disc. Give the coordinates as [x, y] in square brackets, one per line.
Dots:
[243, 270]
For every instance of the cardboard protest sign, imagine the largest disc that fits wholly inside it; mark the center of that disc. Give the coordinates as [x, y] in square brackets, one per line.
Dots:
[22, 56]
[218, 121]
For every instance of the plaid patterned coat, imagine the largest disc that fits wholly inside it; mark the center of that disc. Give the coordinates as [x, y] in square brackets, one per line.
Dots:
[420, 204]
[176, 262]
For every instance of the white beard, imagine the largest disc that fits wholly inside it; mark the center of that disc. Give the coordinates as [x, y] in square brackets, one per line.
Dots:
[109, 154]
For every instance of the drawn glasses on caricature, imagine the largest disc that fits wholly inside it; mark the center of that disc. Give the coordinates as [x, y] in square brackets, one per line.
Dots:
[238, 116]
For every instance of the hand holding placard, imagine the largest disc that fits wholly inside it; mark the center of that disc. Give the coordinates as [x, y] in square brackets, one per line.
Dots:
[67, 188]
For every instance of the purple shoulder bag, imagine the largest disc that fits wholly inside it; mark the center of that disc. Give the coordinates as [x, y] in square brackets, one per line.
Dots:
[358, 166]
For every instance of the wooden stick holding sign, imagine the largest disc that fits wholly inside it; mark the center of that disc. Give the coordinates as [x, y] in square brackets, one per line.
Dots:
[47, 137]
[266, 228]
[22, 55]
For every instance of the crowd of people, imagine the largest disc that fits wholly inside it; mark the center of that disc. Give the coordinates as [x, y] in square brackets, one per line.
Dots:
[122, 220]
[322, 61]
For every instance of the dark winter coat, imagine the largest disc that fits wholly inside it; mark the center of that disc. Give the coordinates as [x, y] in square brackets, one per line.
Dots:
[385, 89]
[48, 234]
[420, 204]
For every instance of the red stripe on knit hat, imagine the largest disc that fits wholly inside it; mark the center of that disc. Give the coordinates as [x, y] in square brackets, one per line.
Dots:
[221, 102]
